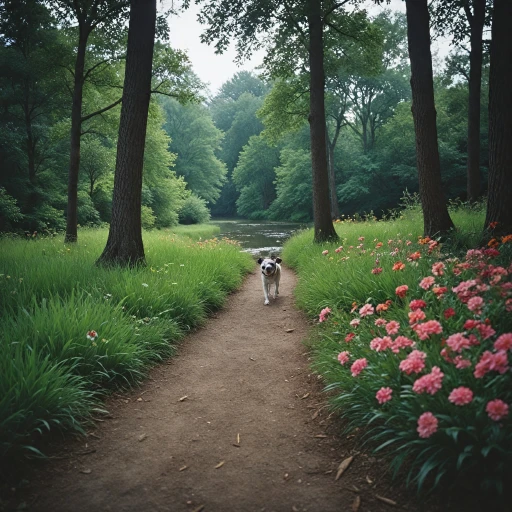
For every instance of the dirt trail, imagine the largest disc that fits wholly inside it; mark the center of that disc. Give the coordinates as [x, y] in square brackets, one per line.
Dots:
[247, 437]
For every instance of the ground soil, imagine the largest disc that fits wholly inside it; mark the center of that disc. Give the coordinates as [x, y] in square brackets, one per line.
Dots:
[235, 422]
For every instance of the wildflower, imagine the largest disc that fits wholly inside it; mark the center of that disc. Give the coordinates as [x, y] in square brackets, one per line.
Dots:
[457, 342]
[401, 290]
[475, 304]
[92, 335]
[493, 243]
[361, 238]
[339, 249]
[427, 425]
[392, 327]
[488, 362]
[376, 270]
[324, 314]
[414, 363]
[325, 252]
[350, 336]
[401, 342]
[358, 366]
[381, 344]
[398, 266]
[414, 256]
[448, 313]
[486, 331]
[492, 225]
[461, 363]
[384, 306]
[343, 357]
[430, 383]
[366, 310]
[427, 282]
[506, 239]
[496, 409]
[417, 304]
[438, 268]
[384, 395]
[355, 322]
[354, 307]
[461, 396]
[425, 329]
[380, 322]
[379, 245]
[504, 342]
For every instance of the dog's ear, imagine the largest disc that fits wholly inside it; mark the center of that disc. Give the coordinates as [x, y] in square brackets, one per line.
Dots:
[260, 260]
[278, 260]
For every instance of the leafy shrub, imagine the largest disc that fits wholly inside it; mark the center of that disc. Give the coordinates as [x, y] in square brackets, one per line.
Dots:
[9, 210]
[147, 217]
[194, 211]
[427, 368]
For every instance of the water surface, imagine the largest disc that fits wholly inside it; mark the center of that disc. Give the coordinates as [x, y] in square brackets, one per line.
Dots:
[261, 238]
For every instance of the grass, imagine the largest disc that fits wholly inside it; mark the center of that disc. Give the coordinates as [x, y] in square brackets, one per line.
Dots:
[51, 294]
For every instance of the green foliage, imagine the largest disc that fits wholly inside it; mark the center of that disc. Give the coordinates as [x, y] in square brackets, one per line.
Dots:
[466, 442]
[194, 211]
[9, 210]
[53, 369]
[147, 217]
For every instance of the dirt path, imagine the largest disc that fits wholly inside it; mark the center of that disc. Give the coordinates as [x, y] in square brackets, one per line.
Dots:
[247, 437]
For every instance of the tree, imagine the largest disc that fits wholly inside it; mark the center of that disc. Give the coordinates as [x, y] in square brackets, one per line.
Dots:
[499, 211]
[124, 244]
[436, 219]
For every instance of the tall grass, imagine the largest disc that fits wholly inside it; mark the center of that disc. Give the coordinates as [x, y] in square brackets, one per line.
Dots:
[51, 295]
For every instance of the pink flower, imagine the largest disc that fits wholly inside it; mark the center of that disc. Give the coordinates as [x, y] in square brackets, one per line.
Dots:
[448, 313]
[355, 322]
[380, 344]
[401, 291]
[380, 322]
[339, 249]
[343, 357]
[358, 366]
[457, 342]
[92, 335]
[417, 304]
[324, 314]
[401, 342]
[350, 336]
[398, 266]
[425, 329]
[439, 291]
[475, 304]
[384, 395]
[427, 425]
[325, 252]
[414, 363]
[461, 396]
[366, 310]
[497, 362]
[392, 327]
[461, 363]
[438, 268]
[376, 270]
[416, 316]
[486, 331]
[496, 409]
[504, 342]
[427, 282]
[430, 383]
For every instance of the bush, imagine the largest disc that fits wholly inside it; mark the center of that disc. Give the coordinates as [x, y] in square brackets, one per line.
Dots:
[194, 211]
[147, 217]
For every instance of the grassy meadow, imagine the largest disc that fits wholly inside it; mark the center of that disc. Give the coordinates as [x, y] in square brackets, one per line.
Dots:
[71, 331]
[413, 340]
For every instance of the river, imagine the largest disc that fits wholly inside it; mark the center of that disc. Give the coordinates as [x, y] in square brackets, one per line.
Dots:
[261, 238]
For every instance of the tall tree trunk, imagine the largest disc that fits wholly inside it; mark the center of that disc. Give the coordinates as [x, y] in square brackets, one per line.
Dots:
[124, 244]
[476, 21]
[436, 219]
[31, 146]
[324, 229]
[499, 208]
[76, 133]
[335, 209]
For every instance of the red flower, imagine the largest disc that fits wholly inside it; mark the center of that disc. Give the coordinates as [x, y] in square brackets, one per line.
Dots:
[448, 313]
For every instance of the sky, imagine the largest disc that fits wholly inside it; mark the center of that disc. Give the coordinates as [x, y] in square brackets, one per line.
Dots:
[215, 69]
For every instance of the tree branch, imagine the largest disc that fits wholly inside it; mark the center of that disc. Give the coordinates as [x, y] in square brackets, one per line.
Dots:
[112, 105]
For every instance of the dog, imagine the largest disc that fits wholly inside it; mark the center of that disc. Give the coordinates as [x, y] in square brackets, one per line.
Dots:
[270, 274]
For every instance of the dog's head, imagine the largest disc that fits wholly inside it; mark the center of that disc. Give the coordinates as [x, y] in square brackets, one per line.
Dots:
[269, 265]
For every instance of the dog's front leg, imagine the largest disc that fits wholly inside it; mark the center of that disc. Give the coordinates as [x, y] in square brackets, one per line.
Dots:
[276, 290]
[266, 289]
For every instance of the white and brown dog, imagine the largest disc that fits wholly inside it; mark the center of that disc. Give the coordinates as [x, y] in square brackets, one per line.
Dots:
[270, 274]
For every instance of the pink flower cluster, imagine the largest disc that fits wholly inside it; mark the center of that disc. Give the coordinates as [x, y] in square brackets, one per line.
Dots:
[414, 362]
[384, 395]
[426, 329]
[358, 366]
[324, 314]
[461, 396]
[430, 383]
[427, 425]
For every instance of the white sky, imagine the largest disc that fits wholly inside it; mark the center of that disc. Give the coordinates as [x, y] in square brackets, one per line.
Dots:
[215, 69]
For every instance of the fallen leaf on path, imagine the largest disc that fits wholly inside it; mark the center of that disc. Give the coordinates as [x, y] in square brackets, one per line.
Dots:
[252, 359]
[142, 437]
[315, 415]
[385, 500]
[85, 471]
[290, 330]
[356, 504]
[305, 396]
[369, 480]
[321, 436]
[238, 438]
[343, 466]
[286, 476]
[183, 468]
[220, 464]
[183, 398]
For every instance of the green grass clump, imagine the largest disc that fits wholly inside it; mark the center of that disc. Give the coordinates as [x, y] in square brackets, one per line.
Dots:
[376, 309]
[52, 295]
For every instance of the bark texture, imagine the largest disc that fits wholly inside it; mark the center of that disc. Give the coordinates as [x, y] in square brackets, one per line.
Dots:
[124, 244]
[499, 207]
[436, 219]
[324, 229]
[476, 21]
